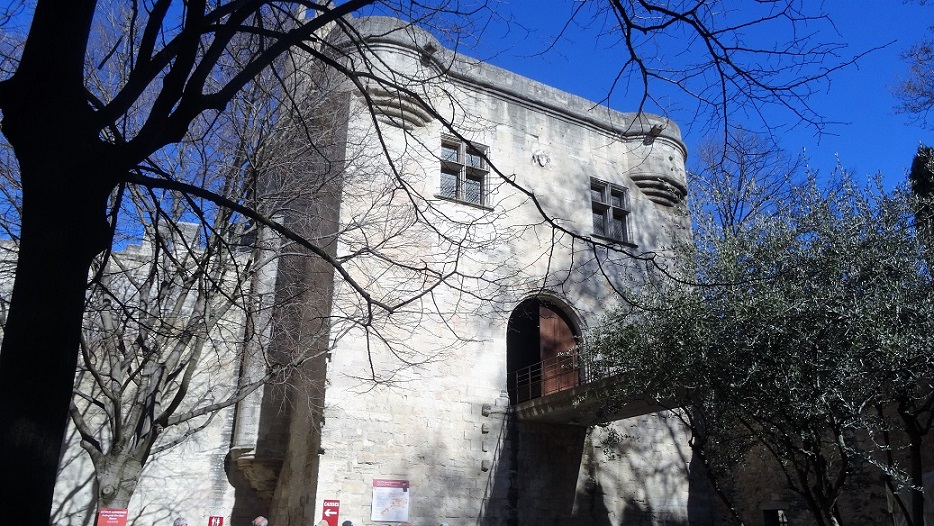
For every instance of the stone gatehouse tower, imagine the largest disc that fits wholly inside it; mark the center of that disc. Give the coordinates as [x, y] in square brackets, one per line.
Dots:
[413, 418]
[490, 220]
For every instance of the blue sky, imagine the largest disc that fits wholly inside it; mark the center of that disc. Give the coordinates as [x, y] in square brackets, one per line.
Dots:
[869, 136]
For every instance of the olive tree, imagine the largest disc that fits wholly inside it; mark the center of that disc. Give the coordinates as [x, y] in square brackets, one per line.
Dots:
[803, 329]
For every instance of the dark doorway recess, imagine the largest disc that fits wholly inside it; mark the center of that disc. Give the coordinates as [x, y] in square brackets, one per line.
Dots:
[541, 351]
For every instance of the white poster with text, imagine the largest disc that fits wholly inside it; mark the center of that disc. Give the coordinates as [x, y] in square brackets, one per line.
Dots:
[390, 500]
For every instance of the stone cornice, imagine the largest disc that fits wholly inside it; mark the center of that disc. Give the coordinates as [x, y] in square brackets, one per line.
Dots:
[405, 37]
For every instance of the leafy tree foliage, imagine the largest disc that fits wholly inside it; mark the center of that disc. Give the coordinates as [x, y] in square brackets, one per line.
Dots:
[805, 329]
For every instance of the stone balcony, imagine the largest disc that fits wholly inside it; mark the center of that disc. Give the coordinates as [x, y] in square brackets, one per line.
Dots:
[571, 390]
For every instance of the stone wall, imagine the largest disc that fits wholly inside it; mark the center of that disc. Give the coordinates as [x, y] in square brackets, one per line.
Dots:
[424, 400]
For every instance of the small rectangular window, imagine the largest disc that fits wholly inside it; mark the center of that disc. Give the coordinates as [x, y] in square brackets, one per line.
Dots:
[463, 171]
[474, 158]
[596, 193]
[610, 204]
[473, 189]
[599, 223]
[449, 183]
[449, 152]
[618, 227]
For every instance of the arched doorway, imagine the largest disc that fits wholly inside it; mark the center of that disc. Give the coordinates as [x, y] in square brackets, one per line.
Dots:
[541, 351]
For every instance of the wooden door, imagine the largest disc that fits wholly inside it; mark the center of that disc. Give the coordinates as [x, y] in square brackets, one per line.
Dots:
[558, 351]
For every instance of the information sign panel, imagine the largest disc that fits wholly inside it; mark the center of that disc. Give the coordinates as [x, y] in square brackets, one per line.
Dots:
[390, 500]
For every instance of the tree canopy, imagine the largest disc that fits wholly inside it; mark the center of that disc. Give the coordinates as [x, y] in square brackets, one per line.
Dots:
[803, 329]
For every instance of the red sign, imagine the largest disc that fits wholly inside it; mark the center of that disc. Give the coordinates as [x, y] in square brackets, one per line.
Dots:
[330, 510]
[214, 520]
[391, 483]
[111, 517]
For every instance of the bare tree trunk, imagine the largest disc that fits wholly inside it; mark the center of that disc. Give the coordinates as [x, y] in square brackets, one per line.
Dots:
[48, 122]
[915, 466]
[117, 478]
[40, 345]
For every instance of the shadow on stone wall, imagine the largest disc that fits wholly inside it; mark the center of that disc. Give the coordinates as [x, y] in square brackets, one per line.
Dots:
[641, 471]
[247, 503]
[567, 475]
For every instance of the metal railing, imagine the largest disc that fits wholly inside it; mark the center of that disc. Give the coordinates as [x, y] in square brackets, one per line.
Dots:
[553, 375]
